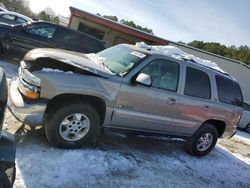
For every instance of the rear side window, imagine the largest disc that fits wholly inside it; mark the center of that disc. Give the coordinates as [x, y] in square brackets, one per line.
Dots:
[229, 91]
[197, 84]
[45, 31]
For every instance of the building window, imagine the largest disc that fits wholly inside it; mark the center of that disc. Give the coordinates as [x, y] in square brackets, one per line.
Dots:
[91, 31]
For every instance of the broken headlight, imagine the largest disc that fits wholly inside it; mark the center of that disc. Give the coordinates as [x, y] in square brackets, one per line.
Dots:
[28, 77]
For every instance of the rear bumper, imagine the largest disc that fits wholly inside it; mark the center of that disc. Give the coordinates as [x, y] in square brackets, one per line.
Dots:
[30, 114]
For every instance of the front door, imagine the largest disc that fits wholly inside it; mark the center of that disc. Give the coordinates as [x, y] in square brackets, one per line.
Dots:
[149, 108]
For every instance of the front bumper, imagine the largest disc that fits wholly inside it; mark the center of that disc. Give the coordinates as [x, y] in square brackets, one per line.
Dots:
[30, 114]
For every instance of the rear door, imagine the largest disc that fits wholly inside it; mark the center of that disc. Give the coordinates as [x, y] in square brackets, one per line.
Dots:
[195, 104]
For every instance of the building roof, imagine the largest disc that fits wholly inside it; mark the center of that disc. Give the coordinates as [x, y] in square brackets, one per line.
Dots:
[154, 40]
[117, 26]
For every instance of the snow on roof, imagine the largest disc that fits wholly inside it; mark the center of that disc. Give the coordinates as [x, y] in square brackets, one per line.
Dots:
[179, 54]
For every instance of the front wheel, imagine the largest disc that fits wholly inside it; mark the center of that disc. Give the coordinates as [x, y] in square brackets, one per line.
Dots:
[203, 141]
[72, 126]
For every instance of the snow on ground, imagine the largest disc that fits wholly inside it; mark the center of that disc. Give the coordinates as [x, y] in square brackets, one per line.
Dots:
[9, 68]
[121, 161]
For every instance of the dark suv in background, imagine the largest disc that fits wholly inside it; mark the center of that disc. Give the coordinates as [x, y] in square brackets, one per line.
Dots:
[7, 142]
[15, 41]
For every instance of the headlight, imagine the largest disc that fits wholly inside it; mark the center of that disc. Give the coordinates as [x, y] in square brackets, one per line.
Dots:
[29, 77]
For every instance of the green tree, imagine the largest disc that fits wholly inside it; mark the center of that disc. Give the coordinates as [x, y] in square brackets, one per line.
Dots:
[132, 24]
[114, 18]
[43, 16]
[20, 6]
[48, 15]
[241, 53]
[128, 23]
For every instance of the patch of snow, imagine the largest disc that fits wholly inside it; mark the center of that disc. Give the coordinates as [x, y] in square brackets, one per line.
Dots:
[179, 54]
[243, 136]
[126, 163]
[9, 68]
[99, 61]
[55, 71]
[162, 138]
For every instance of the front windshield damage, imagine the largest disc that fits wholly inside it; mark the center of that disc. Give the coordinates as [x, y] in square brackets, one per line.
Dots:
[100, 61]
[118, 59]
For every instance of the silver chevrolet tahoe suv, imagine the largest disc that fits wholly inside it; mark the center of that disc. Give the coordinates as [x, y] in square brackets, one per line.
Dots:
[124, 87]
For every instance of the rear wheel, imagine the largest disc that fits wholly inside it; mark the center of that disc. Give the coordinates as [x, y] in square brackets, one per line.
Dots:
[72, 126]
[203, 141]
[248, 128]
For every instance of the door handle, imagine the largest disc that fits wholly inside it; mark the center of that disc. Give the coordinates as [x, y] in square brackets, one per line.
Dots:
[205, 107]
[171, 101]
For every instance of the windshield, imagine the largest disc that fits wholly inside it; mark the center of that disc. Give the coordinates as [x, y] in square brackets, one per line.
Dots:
[121, 59]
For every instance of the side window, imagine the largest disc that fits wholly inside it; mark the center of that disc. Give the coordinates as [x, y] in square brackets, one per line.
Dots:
[9, 17]
[45, 31]
[197, 84]
[164, 74]
[228, 91]
[20, 20]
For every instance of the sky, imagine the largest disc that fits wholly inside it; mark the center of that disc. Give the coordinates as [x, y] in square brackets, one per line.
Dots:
[223, 21]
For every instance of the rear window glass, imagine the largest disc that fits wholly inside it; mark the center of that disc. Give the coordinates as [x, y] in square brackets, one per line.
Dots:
[229, 91]
[197, 84]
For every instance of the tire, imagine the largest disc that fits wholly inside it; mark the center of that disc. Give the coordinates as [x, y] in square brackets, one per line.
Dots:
[72, 125]
[1, 49]
[203, 140]
[7, 175]
[247, 129]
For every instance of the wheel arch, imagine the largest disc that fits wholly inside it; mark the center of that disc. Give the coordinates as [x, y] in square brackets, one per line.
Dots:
[218, 124]
[97, 102]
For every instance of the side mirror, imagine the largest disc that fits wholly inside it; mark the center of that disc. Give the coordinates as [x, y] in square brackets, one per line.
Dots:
[144, 79]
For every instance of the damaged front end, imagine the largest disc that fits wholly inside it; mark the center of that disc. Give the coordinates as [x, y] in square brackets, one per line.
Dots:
[25, 101]
[28, 84]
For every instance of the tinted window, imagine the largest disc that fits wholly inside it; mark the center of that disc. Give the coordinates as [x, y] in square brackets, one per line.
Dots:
[20, 20]
[9, 17]
[197, 84]
[46, 31]
[228, 91]
[164, 74]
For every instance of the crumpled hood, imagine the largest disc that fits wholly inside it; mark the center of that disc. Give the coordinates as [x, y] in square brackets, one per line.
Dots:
[76, 59]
